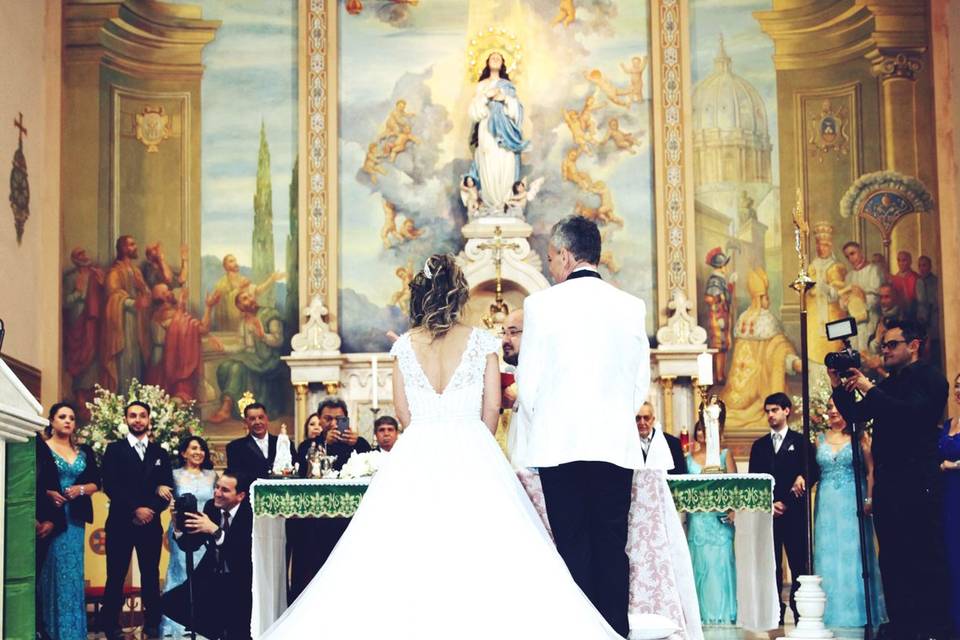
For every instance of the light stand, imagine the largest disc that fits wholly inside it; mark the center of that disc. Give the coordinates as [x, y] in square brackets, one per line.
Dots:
[810, 598]
[855, 432]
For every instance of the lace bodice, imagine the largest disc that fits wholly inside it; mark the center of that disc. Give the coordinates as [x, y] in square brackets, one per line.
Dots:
[835, 468]
[463, 395]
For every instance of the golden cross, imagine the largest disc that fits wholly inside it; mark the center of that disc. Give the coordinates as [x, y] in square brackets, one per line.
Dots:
[498, 245]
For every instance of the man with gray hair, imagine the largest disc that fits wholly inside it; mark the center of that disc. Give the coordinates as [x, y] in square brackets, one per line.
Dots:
[584, 338]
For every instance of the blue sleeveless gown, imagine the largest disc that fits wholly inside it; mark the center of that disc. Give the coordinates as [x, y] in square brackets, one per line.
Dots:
[950, 450]
[61, 576]
[714, 564]
[837, 543]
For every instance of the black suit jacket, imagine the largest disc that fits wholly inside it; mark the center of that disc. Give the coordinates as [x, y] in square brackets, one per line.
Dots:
[233, 556]
[676, 451]
[243, 454]
[131, 483]
[784, 466]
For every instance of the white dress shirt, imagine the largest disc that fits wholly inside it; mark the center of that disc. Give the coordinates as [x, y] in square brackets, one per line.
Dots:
[783, 436]
[136, 443]
[263, 443]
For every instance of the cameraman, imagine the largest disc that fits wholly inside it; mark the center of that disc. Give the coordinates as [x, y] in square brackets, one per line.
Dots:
[905, 409]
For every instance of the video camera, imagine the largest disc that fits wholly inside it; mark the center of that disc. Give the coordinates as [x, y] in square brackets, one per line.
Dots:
[848, 357]
[182, 505]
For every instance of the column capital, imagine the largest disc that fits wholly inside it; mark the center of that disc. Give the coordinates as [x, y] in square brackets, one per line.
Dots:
[889, 64]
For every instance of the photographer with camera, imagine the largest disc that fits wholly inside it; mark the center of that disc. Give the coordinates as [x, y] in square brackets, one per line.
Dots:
[905, 409]
[216, 600]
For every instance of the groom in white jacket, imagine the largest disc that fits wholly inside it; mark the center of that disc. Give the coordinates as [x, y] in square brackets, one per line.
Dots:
[584, 339]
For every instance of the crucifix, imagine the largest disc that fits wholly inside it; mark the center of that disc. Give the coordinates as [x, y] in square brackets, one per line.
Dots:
[498, 309]
[18, 123]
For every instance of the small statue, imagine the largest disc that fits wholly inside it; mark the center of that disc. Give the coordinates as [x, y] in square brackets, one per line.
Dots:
[314, 461]
[684, 439]
[283, 463]
[713, 415]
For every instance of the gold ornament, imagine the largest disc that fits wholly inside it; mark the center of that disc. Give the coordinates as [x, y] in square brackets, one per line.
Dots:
[494, 40]
[245, 401]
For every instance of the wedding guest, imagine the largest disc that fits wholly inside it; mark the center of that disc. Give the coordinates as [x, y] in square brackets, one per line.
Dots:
[61, 572]
[781, 455]
[195, 475]
[255, 453]
[385, 430]
[223, 580]
[950, 466]
[340, 442]
[133, 469]
[837, 538]
[312, 434]
[650, 438]
[710, 538]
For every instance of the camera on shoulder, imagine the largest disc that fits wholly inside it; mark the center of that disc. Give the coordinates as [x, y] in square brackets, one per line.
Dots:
[848, 358]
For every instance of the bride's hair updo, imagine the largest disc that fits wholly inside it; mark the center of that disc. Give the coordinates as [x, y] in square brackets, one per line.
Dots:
[437, 295]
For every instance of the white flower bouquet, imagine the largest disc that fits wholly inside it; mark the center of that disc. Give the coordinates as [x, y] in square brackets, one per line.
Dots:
[361, 465]
[170, 420]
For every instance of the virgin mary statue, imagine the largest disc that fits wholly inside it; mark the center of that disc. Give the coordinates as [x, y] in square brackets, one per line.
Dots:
[497, 135]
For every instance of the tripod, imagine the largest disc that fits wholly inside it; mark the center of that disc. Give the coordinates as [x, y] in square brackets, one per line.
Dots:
[855, 432]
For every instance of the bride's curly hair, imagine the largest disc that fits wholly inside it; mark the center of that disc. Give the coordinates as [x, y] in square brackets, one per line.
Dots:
[437, 295]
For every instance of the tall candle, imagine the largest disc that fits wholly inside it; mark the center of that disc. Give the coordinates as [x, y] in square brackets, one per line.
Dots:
[375, 387]
[704, 369]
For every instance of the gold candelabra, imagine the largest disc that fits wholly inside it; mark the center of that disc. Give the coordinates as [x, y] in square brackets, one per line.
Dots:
[497, 313]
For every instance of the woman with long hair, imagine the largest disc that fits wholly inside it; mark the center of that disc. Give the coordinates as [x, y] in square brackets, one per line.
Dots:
[950, 466]
[194, 475]
[61, 576]
[710, 538]
[836, 551]
[444, 495]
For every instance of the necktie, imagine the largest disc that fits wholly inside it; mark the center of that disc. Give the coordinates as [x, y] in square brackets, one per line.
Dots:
[225, 521]
[141, 449]
[776, 442]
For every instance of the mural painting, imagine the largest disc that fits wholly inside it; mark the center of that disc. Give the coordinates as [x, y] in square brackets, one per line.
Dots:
[520, 111]
[207, 321]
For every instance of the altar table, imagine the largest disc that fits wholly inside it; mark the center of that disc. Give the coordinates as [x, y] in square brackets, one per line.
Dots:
[661, 575]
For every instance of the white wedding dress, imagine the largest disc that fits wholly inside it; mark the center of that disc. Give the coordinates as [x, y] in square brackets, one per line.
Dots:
[446, 543]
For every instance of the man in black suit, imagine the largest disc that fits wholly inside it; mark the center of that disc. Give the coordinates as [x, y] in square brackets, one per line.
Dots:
[647, 430]
[781, 455]
[906, 409]
[385, 430]
[255, 453]
[133, 468]
[223, 581]
[312, 540]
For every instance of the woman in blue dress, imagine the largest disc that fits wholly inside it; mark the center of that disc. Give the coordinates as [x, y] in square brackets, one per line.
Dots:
[837, 540]
[710, 538]
[61, 576]
[950, 466]
[195, 475]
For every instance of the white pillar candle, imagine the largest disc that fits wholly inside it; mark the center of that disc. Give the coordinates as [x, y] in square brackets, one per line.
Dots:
[374, 386]
[704, 369]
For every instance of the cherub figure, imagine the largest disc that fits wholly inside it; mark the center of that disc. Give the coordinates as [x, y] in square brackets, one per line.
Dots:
[371, 163]
[566, 14]
[470, 195]
[409, 230]
[587, 124]
[389, 229]
[637, 66]
[400, 142]
[523, 194]
[603, 213]
[609, 261]
[609, 89]
[570, 172]
[396, 120]
[580, 137]
[621, 139]
[401, 298]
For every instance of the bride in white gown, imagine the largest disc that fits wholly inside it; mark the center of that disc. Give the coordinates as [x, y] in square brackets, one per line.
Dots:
[446, 543]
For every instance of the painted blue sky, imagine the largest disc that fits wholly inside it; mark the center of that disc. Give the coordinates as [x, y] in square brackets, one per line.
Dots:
[250, 76]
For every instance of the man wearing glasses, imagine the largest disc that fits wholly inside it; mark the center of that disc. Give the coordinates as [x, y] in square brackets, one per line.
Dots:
[905, 409]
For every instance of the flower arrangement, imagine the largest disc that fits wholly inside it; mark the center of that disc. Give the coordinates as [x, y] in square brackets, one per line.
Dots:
[170, 420]
[361, 465]
[820, 393]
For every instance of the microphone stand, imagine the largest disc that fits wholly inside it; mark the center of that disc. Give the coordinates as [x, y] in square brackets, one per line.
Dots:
[855, 432]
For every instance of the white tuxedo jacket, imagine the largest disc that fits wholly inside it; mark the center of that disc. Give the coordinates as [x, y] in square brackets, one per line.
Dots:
[584, 371]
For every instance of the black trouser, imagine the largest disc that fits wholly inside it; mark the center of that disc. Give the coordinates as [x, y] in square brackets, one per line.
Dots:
[790, 533]
[588, 504]
[311, 542]
[122, 539]
[913, 564]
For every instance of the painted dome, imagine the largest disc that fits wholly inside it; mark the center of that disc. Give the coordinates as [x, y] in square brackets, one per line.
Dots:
[724, 101]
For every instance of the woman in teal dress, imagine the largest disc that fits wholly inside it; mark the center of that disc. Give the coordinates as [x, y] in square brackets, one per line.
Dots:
[710, 538]
[836, 538]
[195, 475]
[61, 576]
